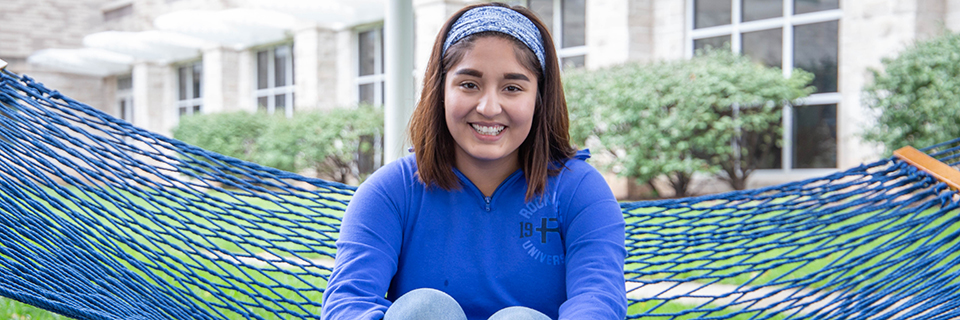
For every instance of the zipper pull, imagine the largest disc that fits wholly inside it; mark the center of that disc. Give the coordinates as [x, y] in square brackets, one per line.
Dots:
[487, 199]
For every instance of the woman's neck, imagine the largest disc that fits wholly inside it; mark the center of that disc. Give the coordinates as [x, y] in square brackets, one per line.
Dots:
[487, 174]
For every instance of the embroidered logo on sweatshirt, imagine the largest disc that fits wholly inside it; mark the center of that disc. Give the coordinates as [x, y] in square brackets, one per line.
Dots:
[540, 234]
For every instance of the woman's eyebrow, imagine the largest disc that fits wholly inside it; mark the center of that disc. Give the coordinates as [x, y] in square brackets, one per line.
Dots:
[470, 72]
[516, 76]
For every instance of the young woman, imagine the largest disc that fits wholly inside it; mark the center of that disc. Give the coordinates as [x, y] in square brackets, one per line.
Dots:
[496, 215]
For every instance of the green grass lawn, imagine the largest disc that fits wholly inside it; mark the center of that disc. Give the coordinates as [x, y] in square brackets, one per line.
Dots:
[15, 310]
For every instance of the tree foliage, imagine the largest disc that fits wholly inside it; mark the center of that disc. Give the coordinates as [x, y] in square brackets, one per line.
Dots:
[331, 142]
[677, 118]
[916, 98]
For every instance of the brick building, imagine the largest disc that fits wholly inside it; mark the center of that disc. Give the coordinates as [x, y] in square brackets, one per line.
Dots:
[153, 61]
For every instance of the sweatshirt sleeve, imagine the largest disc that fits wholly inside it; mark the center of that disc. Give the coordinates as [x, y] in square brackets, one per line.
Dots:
[367, 250]
[595, 252]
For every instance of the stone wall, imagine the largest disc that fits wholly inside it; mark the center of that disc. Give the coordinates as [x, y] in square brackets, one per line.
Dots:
[608, 27]
[871, 30]
[669, 29]
[31, 25]
[315, 51]
[952, 15]
[153, 93]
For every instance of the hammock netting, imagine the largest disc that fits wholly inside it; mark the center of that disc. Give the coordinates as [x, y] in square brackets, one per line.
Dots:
[103, 220]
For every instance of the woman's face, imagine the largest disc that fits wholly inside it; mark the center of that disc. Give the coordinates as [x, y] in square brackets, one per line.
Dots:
[489, 99]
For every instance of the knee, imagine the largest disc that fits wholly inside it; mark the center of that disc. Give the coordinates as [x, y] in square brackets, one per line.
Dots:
[518, 313]
[425, 303]
[428, 297]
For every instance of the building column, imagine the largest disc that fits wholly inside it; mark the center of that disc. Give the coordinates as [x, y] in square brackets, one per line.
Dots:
[398, 62]
[640, 25]
[220, 80]
[952, 15]
[931, 18]
[315, 62]
[669, 18]
[153, 108]
[609, 33]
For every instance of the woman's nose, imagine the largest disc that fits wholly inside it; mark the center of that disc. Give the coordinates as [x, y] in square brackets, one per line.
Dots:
[489, 105]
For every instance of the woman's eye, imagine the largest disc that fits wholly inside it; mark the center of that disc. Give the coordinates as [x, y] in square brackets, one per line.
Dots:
[469, 85]
[513, 88]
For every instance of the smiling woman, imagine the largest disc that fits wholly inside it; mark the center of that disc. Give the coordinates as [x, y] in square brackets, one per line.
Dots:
[496, 215]
[490, 99]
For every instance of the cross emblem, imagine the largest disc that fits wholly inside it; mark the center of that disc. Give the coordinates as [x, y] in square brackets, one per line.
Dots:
[543, 229]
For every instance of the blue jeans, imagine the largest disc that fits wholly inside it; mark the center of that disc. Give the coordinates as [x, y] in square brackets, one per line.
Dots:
[432, 304]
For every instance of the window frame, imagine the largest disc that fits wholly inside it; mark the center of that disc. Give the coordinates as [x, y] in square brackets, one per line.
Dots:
[189, 102]
[378, 78]
[568, 52]
[124, 99]
[786, 22]
[272, 90]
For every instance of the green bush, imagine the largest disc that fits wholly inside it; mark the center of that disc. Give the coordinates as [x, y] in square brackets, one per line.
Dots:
[335, 143]
[281, 142]
[916, 99]
[676, 118]
[231, 134]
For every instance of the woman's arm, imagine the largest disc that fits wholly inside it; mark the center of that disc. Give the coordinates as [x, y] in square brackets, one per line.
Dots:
[367, 250]
[595, 251]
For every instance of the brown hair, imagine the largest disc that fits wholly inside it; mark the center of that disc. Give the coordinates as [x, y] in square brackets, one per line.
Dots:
[547, 145]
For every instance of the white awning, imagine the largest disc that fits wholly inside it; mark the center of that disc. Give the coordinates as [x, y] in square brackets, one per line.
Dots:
[86, 61]
[239, 28]
[335, 14]
[183, 34]
[160, 46]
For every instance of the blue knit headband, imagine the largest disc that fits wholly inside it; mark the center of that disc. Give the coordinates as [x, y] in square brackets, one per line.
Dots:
[499, 19]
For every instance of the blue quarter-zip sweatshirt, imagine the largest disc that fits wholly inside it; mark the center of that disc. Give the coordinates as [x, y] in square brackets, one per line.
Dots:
[561, 253]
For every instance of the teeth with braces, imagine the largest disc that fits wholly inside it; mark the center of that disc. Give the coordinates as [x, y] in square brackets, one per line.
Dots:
[485, 130]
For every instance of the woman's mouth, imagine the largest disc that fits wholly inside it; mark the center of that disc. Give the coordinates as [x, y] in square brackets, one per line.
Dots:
[487, 130]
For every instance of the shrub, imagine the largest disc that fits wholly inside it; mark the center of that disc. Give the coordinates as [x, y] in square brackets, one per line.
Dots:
[231, 134]
[916, 99]
[335, 143]
[676, 118]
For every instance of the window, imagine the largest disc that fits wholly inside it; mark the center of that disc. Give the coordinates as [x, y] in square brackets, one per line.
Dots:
[189, 88]
[370, 90]
[274, 90]
[789, 34]
[566, 21]
[125, 98]
[370, 67]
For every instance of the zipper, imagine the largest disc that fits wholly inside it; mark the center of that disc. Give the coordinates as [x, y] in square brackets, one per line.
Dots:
[488, 200]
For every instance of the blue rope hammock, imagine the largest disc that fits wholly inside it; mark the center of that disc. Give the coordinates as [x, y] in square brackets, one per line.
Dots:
[103, 220]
